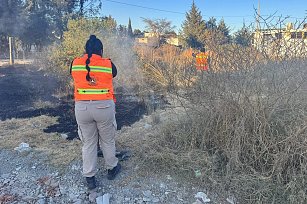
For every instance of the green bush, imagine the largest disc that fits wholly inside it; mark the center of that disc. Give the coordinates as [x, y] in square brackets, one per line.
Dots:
[74, 39]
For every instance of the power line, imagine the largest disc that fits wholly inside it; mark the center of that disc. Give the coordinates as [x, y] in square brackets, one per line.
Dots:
[182, 13]
[145, 7]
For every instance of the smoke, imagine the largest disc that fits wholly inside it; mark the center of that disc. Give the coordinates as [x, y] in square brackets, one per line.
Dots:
[120, 50]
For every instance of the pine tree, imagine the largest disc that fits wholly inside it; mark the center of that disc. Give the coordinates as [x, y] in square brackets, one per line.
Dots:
[243, 36]
[193, 28]
[224, 30]
[211, 24]
[129, 30]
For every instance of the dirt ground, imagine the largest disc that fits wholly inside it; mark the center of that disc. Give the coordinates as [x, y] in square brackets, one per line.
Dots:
[32, 112]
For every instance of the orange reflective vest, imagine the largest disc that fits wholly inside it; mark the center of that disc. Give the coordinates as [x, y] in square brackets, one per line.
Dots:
[101, 73]
[202, 61]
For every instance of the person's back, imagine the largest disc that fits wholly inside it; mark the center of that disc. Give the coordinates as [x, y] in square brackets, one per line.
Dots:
[202, 59]
[95, 109]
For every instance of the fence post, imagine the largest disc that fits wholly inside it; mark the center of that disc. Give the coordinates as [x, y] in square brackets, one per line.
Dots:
[11, 40]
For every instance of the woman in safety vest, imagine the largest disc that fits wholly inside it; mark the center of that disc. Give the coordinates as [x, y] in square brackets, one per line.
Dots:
[95, 109]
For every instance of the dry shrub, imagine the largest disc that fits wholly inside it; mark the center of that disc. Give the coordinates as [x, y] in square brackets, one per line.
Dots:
[244, 127]
[166, 68]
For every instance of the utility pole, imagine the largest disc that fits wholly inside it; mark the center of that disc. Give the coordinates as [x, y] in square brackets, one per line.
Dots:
[258, 16]
[11, 40]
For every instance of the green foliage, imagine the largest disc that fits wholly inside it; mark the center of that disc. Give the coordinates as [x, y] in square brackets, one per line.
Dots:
[224, 30]
[137, 32]
[211, 23]
[193, 28]
[129, 31]
[75, 38]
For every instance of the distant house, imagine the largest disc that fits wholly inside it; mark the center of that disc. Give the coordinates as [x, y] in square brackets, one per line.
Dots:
[287, 41]
[173, 41]
[151, 39]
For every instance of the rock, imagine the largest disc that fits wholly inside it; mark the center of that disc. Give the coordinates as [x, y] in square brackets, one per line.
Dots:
[23, 147]
[155, 200]
[92, 196]
[147, 126]
[197, 173]
[162, 185]
[73, 196]
[64, 136]
[41, 201]
[230, 200]
[127, 199]
[202, 197]
[76, 167]
[145, 199]
[147, 193]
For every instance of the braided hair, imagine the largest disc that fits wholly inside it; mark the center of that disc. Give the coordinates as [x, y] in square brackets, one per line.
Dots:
[93, 46]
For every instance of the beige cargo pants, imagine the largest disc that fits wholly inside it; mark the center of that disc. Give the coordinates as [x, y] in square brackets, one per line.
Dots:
[96, 120]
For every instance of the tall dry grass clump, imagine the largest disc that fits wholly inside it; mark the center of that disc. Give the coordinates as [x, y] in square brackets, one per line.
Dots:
[165, 68]
[244, 127]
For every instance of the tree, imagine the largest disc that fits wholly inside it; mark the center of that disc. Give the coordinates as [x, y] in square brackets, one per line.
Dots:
[137, 32]
[129, 30]
[158, 27]
[216, 34]
[109, 24]
[243, 36]
[211, 24]
[11, 20]
[193, 28]
[38, 24]
[122, 30]
[224, 30]
[74, 39]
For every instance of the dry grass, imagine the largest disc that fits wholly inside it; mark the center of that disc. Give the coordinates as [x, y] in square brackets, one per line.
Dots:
[245, 131]
[56, 150]
[244, 126]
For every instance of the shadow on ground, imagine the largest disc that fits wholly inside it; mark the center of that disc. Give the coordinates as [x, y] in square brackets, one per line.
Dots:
[22, 86]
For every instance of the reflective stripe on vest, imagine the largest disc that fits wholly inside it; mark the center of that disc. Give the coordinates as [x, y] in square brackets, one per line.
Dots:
[93, 91]
[93, 68]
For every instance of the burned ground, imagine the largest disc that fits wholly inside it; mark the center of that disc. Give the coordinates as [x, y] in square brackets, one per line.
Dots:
[28, 92]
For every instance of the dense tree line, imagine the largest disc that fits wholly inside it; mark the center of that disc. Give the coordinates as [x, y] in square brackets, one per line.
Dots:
[196, 32]
[39, 22]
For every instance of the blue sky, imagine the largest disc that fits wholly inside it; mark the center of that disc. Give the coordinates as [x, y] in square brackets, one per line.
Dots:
[234, 12]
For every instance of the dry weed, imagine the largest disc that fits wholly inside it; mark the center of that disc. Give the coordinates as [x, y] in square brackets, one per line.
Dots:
[245, 123]
[57, 150]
